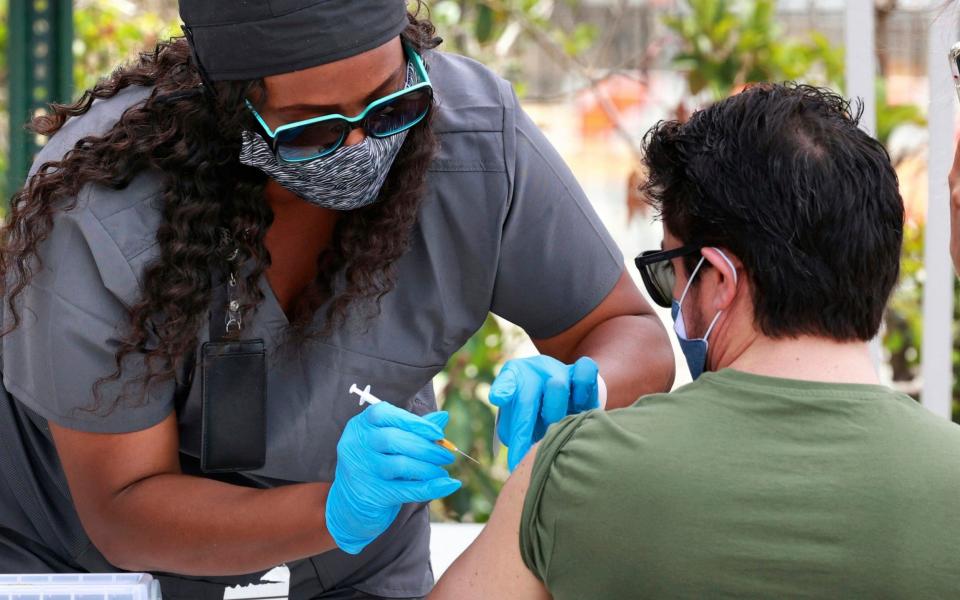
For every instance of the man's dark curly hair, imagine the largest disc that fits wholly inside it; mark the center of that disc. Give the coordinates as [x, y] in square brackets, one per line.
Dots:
[193, 141]
[783, 177]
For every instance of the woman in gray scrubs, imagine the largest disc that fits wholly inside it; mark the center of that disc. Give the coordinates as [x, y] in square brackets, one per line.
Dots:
[206, 257]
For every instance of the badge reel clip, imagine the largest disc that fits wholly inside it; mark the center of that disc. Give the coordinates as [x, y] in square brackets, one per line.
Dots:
[233, 387]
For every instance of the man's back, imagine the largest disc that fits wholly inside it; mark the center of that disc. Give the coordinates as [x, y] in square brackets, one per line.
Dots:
[746, 486]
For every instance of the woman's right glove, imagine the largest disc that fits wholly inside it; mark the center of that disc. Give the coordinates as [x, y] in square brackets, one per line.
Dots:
[534, 393]
[386, 457]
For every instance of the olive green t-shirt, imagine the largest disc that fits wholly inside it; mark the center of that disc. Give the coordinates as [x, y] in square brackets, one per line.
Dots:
[741, 486]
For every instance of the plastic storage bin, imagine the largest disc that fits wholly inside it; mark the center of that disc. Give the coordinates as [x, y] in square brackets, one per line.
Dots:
[107, 586]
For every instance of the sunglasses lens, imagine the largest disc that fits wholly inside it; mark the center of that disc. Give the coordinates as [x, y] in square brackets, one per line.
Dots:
[323, 137]
[664, 279]
[659, 279]
[400, 113]
[311, 141]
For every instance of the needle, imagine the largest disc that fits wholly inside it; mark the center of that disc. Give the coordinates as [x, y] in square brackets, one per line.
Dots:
[449, 446]
[369, 398]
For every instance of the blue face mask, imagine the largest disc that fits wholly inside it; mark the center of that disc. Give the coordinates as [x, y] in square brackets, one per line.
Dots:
[695, 350]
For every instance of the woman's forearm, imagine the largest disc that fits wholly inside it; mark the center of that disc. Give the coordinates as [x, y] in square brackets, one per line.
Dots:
[634, 357]
[194, 526]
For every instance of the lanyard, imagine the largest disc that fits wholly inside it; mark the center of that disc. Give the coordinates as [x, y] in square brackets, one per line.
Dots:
[233, 387]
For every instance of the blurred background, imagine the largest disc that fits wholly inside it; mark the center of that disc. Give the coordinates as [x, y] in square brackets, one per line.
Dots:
[595, 75]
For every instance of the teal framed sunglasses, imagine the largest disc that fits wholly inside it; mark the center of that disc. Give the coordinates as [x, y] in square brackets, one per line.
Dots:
[314, 138]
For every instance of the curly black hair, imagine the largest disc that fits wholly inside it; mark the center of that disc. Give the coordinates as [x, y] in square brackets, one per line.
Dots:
[782, 176]
[191, 136]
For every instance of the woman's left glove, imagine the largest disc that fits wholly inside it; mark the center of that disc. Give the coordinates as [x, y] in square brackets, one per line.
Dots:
[386, 457]
[533, 393]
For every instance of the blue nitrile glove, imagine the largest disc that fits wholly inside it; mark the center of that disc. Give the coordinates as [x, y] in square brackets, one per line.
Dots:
[386, 457]
[533, 393]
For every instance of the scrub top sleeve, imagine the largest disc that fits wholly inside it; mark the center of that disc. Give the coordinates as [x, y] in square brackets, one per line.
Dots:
[557, 261]
[71, 327]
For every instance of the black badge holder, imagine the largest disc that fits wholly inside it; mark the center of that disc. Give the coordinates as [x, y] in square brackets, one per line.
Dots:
[233, 390]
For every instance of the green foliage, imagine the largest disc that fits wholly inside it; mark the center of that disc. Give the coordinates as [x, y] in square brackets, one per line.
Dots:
[904, 320]
[725, 44]
[4, 40]
[105, 36]
[891, 116]
[493, 31]
[903, 338]
[468, 376]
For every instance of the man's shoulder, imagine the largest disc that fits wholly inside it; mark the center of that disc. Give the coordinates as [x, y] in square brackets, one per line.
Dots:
[927, 429]
[599, 434]
[659, 423]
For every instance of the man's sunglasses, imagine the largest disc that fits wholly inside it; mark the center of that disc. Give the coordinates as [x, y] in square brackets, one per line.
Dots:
[656, 271]
[320, 136]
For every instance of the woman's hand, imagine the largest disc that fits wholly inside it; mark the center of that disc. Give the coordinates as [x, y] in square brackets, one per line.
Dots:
[533, 393]
[386, 457]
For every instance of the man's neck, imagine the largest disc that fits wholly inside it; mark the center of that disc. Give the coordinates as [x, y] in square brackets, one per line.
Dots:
[807, 359]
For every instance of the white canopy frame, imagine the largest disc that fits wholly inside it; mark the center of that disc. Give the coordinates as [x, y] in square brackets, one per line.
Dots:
[937, 351]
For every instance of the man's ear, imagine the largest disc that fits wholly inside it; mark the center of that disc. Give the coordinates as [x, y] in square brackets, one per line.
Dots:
[728, 269]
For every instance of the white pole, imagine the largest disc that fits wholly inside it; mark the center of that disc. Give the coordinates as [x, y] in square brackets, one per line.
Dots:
[937, 348]
[861, 59]
[861, 75]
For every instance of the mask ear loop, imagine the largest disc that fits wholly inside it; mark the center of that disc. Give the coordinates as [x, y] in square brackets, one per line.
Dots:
[692, 277]
[729, 263]
[735, 281]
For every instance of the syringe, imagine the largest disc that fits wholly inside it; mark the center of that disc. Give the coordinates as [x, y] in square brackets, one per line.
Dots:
[369, 398]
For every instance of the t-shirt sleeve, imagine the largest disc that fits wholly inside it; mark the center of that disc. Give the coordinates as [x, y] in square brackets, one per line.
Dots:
[540, 514]
[557, 260]
[72, 322]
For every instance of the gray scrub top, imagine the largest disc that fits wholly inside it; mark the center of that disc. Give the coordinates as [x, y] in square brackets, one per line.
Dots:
[504, 227]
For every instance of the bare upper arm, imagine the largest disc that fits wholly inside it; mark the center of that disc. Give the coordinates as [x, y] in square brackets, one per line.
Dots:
[492, 566]
[100, 466]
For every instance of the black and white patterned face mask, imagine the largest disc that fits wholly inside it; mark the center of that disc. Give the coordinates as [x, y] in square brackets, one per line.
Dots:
[348, 179]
